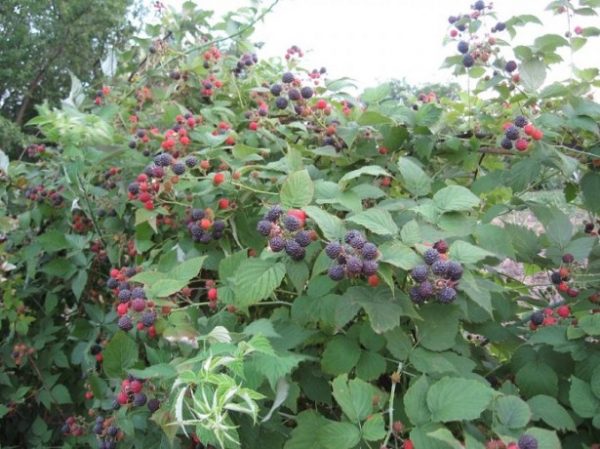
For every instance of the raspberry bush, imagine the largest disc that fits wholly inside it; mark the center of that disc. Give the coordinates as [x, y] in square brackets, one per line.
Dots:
[215, 251]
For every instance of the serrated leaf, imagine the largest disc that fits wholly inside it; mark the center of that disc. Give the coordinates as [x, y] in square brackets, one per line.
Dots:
[439, 327]
[383, 309]
[297, 190]
[378, 221]
[338, 435]
[414, 179]
[341, 354]
[399, 255]
[355, 397]
[255, 280]
[456, 399]
[120, 353]
[186, 270]
[465, 252]
[582, 399]
[415, 402]
[371, 170]
[373, 428]
[455, 198]
[331, 226]
[512, 412]
[547, 409]
[160, 370]
[533, 73]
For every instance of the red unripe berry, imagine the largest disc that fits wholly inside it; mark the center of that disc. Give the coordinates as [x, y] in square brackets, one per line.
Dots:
[114, 273]
[191, 122]
[230, 140]
[506, 125]
[218, 84]
[548, 311]
[253, 126]
[453, 32]
[299, 214]
[373, 280]
[149, 205]
[205, 224]
[98, 101]
[563, 311]
[573, 292]
[142, 177]
[383, 150]
[408, 444]
[537, 134]
[210, 283]
[89, 395]
[212, 294]
[122, 308]
[564, 273]
[152, 331]
[136, 386]
[218, 178]
[223, 125]
[186, 291]
[122, 398]
[563, 287]
[139, 326]
[167, 144]
[330, 130]
[549, 321]
[99, 358]
[521, 144]
[321, 104]
[578, 30]
[204, 164]
[386, 181]
[144, 197]
[529, 129]
[223, 203]
[185, 140]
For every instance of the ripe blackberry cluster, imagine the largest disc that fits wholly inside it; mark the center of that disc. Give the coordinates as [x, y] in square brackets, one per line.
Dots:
[108, 434]
[561, 278]
[40, 194]
[246, 60]
[203, 227]
[514, 133]
[131, 393]
[132, 302]
[438, 278]
[72, 427]
[286, 232]
[291, 91]
[353, 258]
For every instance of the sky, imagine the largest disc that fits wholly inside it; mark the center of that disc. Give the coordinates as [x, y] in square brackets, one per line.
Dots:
[373, 41]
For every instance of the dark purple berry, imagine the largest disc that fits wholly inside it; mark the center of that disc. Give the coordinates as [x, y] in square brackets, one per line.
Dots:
[276, 89]
[336, 272]
[446, 295]
[354, 265]
[287, 77]
[510, 66]
[291, 223]
[218, 225]
[277, 244]
[454, 271]
[138, 292]
[370, 267]
[500, 26]
[163, 160]
[112, 283]
[479, 5]
[281, 102]
[112, 431]
[568, 258]
[415, 296]
[506, 143]
[420, 273]
[425, 289]
[125, 323]
[178, 168]
[512, 133]
[430, 256]
[439, 267]
[520, 121]
[197, 214]
[369, 251]
[463, 47]
[333, 250]
[264, 227]
[139, 399]
[294, 250]
[133, 188]
[98, 428]
[555, 277]
[191, 161]
[527, 442]
[274, 213]
[303, 238]
[153, 405]
[537, 318]
[294, 94]
[468, 61]
[148, 318]
[306, 92]
[124, 295]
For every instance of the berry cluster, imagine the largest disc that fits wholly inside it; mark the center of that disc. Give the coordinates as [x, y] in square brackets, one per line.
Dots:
[286, 231]
[354, 258]
[203, 227]
[315, 75]
[211, 56]
[245, 61]
[513, 132]
[108, 434]
[80, 223]
[100, 94]
[294, 50]
[132, 301]
[35, 150]
[222, 129]
[437, 278]
[40, 194]
[108, 178]
[72, 427]
[131, 393]
[21, 350]
[561, 277]
[209, 84]
[548, 316]
[293, 92]
[144, 188]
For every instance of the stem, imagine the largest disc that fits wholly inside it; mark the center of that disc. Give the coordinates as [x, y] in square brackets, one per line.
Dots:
[391, 410]
[243, 186]
[90, 210]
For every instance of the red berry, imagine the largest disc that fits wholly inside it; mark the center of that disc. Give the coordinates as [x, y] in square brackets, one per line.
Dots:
[373, 280]
[136, 386]
[185, 140]
[122, 308]
[578, 30]
[548, 311]
[299, 214]
[139, 326]
[563, 311]
[212, 294]
[408, 444]
[563, 287]
[253, 126]
[122, 398]
[204, 164]
[223, 203]
[218, 178]
[537, 134]
[152, 331]
[529, 129]
[321, 104]
[205, 224]
[89, 395]
[99, 358]
[521, 144]
[383, 150]
[114, 273]
[572, 292]
[149, 205]
[230, 140]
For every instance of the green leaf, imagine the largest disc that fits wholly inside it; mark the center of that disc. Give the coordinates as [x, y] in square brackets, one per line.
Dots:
[533, 73]
[355, 397]
[371, 170]
[341, 354]
[439, 328]
[255, 280]
[370, 366]
[304, 434]
[297, 190]
[546, 439]
[414, 179]
[331, 226]
[455, 198]
[61, 394]
[373, 428]
[186, 270]
[411, 233]
[465, 252]
[512, 412]
[547, 409]
[582, 398]
[399, 255]
[165, 287]
[383, 309]
[590, 186]
[120, 354]
[338, 435]
[161, 370]
[415, 402]
[590, 324]
[537, 378]
[378, 221]
[456, 399]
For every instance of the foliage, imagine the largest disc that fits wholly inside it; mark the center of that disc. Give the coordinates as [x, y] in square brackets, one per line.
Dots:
[221, 251]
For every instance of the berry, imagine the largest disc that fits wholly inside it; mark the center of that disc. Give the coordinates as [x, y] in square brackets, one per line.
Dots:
[277, 244]
[373, 280]
[463, 47]
[139, 399]
[537, 134]
[500, 26]
[212, 294]
[568, 258]
[415, 296]
[218, 178]
[506, 143]
[441, 246]
[537, 317]
[148, 318]
[455, 270]
[510, 66]
[287, 77]
[163, 160]
[125, 323]
[191, 161]
[112, 283]
[219, 225]
[354, 265]
[527, 442]
[253, 126]
[479, 5]
[306, 92]
[431, 255]
[178, 168]
[333, 250]
[294, 94]
[369, 251]
[521, 144]
[572, 292]
[563, 311]
[136, 386]
[276, 89]
[520, 121]
[336, 272]
[446, 295]
[370, 267]
[468, 61]
[274, 213]
[355, 239]
[95, 349]
[133, 188]
[321, 104]
[420, 272]
[439, 267]
[122, 309]
[153, 405]
[425, 289]
[124, 295]
[291, 223]
[299, 214]
[294, 250]
[281, 102]
[303, 238]
[197, 214]
[512, 132]
[112, 431]
[223, 203]
[264, 227]
[138, 304]
[555, 277]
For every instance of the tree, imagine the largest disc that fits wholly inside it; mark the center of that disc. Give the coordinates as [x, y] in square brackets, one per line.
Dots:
[43, 41]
